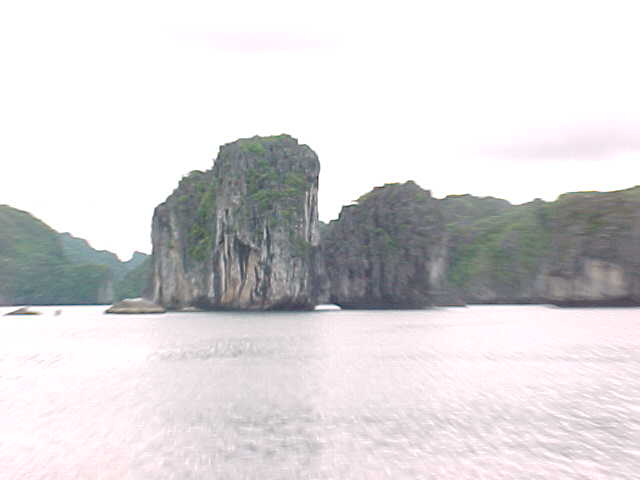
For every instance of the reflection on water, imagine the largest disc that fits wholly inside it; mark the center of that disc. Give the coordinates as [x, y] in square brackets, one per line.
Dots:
[481, 392]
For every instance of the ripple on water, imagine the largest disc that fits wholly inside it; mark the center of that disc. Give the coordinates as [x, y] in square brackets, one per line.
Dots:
[496, 393]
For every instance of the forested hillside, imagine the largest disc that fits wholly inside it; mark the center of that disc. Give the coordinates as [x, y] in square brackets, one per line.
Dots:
[39, 266]
[34, 269]
[129, 278]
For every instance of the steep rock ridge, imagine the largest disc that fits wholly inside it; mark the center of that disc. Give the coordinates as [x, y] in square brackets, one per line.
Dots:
[243, 235]
[595, 249]
[466, 209]
[79, 251]
[388, 251]
[496, 255]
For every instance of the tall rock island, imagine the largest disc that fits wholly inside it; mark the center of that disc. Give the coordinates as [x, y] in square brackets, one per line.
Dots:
[243, 235]
[388, 250]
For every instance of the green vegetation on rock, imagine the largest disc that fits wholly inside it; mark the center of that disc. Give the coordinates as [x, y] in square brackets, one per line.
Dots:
[500, 251]
[195, 204]
[243, 234]
[267, 188]
[202, 234]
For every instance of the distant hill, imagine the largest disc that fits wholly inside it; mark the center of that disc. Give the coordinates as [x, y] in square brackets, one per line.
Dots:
[34, 269]
[39, 266]
[136, 281]
[79, 251]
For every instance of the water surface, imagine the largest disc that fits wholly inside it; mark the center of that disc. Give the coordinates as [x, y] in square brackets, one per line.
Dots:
[493, 392]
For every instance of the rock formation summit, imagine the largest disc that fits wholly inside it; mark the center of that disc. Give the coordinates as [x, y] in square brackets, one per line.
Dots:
[388, 251]
[243, 235]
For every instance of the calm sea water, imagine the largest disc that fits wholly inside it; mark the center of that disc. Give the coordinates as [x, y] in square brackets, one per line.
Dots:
[468, 393]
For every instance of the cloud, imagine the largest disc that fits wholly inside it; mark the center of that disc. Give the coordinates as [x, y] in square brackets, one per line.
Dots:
[261, 42]
[591, 142]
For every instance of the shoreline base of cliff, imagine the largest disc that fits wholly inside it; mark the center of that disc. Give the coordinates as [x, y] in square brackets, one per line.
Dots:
[135, 306]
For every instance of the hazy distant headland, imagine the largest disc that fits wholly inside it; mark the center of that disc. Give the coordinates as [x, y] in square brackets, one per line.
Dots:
[245, 235]
[39, 266]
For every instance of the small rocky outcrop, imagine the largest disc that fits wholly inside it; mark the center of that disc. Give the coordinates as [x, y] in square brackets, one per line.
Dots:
[243, 235]
[23, 311]
[594, 258]
[388, 250]
[135, 306]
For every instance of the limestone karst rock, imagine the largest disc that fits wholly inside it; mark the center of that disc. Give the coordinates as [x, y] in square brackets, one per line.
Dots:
[496, 251]
[594, 257]
[388, 251]
[243, 235]
[581, 250]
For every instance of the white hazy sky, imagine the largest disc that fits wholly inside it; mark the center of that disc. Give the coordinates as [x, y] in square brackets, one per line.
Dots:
[105, 105]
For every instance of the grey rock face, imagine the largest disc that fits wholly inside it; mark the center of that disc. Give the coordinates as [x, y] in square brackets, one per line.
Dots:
[388, 251]
[581, 250]
[243, 235]
[595, 253]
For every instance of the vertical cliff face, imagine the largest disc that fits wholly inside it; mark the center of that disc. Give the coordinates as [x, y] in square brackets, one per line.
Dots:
[388, 251]
[595, 254]
[243, 235]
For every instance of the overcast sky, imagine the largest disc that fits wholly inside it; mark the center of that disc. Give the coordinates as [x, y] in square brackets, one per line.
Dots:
[105, 105]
